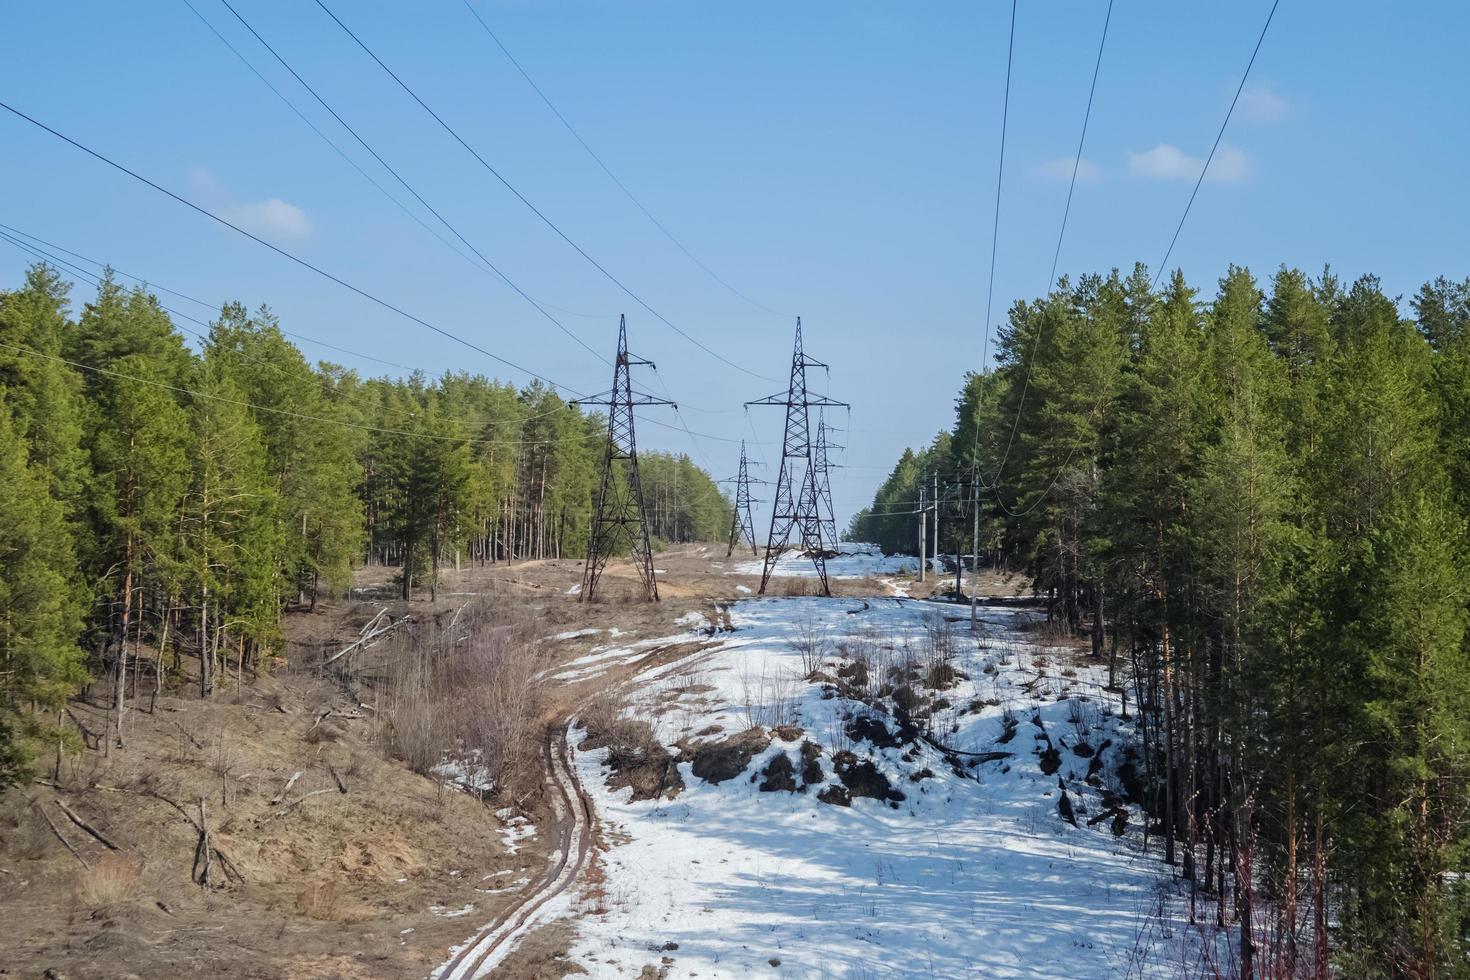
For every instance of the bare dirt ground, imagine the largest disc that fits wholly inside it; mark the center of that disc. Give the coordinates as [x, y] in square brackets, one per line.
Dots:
[361, 868]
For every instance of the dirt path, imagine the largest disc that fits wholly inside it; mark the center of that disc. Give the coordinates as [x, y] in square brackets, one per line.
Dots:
[571, 843]
[572, 828]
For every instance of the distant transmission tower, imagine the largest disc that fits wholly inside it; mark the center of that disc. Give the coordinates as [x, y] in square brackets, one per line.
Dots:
[620, 512]
[823, 482]
[741, 523]
[799, 509]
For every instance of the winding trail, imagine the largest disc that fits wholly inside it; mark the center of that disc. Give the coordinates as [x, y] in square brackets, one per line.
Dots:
[572, 842]
[571, 830]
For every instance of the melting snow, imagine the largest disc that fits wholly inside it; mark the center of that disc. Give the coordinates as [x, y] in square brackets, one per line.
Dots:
[972, 875]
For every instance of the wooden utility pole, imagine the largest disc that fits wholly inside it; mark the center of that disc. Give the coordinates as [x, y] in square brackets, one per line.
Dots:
[975, 549]
[923, 532]
[935, 552]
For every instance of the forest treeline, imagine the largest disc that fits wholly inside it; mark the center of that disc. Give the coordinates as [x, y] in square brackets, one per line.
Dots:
[1255, 503]
[156, 500]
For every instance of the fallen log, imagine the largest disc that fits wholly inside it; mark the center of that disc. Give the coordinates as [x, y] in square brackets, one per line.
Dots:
[287, 788]
[364, 639]
[300, 800]
[86, 826]
[57, 831]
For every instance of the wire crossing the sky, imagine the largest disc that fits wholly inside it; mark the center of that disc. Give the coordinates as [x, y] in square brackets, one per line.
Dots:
[527, 202]
[1218, 136]
[281, 251]
[607, 170]
[409, 187]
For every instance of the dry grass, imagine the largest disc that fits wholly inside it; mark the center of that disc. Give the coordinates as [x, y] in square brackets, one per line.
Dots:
[113, 880]
[465, 685]
[323, 900]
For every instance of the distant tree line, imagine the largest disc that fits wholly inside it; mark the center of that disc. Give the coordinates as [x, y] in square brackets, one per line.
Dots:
[1256, 507]
[155, 500]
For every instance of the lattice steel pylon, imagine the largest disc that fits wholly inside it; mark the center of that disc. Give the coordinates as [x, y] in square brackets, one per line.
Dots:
[820, 467]
[797, 509]
[741, 523]
[620, 510]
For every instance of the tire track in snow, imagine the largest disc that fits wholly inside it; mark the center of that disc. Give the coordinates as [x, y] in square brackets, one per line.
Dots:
[572, 838]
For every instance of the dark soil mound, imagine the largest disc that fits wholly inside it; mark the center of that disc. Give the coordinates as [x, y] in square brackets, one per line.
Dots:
[811, 767]
[637, 758]
[862, 778]
[870, 729]
[1051, 759]
[835, 795]
[715, 762]
[779, 775]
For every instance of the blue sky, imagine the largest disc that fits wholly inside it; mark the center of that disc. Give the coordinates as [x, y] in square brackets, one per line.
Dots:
[833, 159]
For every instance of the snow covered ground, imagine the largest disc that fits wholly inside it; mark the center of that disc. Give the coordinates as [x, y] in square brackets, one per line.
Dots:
[855, 561]
[973, 873]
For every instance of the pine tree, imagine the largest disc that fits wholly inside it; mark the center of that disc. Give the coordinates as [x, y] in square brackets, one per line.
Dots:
[40, 662]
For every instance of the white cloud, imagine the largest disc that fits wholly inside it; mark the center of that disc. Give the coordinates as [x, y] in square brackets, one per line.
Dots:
[1168, 162]
[273, 216]
[1061, 169]
[1261, 103]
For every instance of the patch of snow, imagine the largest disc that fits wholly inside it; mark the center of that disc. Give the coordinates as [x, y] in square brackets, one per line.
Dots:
[577, 634]
[974, 873]
[854, 560]
[744, 588]
[575, 589]
[692, 618]
[452, 913]
[514, 830]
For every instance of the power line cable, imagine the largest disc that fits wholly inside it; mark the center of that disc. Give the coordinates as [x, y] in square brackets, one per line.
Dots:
[1218, 136]
[607, 170]
[195, 393]
[1000, 170]
[1056, 255]
[409, 187]
[281, 251]
[213, 307]
[46, 256]
[526, 201]
[1203, 170]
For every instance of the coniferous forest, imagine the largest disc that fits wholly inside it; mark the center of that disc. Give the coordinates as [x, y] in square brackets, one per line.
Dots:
[157, 498]
[1253, 499]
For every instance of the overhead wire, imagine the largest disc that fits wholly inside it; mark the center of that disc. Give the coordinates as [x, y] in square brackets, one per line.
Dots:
[410, 188]
[527, 202]
[1030, 359]
[195, 393]
[418, 219]
[607, 170]
[1188, 205]
[44, 255]
[1218, 136]
[281, 251]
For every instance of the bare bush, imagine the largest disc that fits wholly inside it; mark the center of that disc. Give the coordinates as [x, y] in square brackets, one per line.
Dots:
[770, 697]
[811, 643]
[113, 880]
[465, 689]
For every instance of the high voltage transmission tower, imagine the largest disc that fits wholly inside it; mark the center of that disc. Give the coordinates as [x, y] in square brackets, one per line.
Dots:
[741, 523]
[822, 481]
[800, 509]
[620, 514]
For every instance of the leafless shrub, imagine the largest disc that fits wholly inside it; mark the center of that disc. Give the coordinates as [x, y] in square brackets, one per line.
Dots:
[797, 585]
[769, 695]
[463, 686]
[811, 643]
[113, 880]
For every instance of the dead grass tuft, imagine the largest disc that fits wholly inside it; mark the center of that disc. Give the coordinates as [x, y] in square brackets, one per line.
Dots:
[113, 880]
[324, 900]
